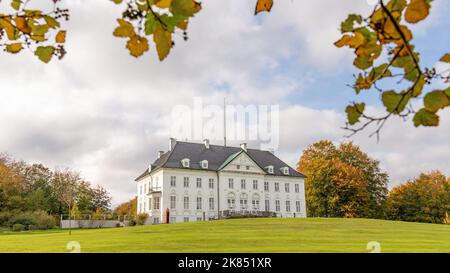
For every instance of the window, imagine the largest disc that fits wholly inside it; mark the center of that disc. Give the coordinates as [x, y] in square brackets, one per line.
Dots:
[186, 219]
[199, 182]
[149, 203]
[230, 183]
[255, 204]
[267, 205]
[173, 181]
[231, 203]
[285, 170]
[243, 184]
[211, 203]
[173, 202]
[243, 203]
[199, 203]
[238, 167]
[288, 206]
[140, 190]
[156, 203]
[277, 205]
[297, 206]
[186, 202]
[211, 183]
[266, 186]
[199, 219]
[269, 169]
[185, 162]
[255, 184]
[286, 187]
[204, 164]
[247, 168]
[145, 188]
[297, 188]
[155, 220]
[277, 186]
[145, 205]
[173, 219]
[186, 182]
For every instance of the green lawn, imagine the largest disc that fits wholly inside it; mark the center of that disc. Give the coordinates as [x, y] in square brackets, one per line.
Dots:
[243, 235]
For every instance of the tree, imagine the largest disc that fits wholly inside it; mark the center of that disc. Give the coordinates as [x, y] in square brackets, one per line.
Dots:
[342, 181]
[75, 212]
[424, 199]
[101, 199]
[127, 209]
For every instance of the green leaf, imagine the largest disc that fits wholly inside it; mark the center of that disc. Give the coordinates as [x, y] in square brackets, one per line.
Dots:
[363, 62]
[163, 41]
[15, 4]
[425, 118]
[380, 72]
[348, 24]
[354, 112]
[185, 7]
[150, 23]
[395, 103]
[45, 53]
[436, 100]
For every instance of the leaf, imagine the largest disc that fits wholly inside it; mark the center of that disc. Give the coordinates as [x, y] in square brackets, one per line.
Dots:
[348, 24]
[14, 48]
[137, 45]
[117, 1]
[436, 100]
[163, 4]
[354, 112]
[363, 62]
[362, 83]
[354, 41]
[185, 7]
[163, 41]
[417, 10]
[45, 53]
[11, 32]
[51, 22]
[150, 23]
[395, 103]
[425, 118]
[445, 58]
[125, 29]
[61, 37]
[22, 25]
[263, 5]
[15, 4]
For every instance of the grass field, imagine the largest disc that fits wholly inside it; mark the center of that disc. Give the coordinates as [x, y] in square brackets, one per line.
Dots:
[243, 235]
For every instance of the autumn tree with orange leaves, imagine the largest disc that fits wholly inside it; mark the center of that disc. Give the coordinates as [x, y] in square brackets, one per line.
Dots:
[342, 181]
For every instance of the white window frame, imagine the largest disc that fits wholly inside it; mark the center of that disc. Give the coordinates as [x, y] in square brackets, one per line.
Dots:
[255, 184]
[173, 202]
[211, 203]
[267, 205]
[288, 205]
[286, 187]
[211, 183]
[199, 183]
[277, 187]
[298, 206]
[199, 203]
[186, 202]
[277, 205]
[266, 185]
[186, 181]
[230, 183]
[297, 188]
[173, 181]
[243, 184]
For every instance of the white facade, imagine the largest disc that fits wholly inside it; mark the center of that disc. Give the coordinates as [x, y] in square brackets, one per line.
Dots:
[197, 195]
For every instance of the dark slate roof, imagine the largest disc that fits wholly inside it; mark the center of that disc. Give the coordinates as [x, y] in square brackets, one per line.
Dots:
[216, 156]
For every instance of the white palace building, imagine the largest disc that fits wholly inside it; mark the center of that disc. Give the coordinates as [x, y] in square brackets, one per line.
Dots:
[199, 181]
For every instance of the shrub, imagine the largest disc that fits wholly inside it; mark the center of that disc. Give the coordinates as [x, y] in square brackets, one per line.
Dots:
[33, 220]
[5, 216]
[132, 223]
[141, 218]
[18, 227]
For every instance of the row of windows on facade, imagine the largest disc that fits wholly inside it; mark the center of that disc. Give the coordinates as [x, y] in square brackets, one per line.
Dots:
[173, 183]
[231, 204]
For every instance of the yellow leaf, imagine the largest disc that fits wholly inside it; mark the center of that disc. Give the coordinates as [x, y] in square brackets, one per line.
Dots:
[445, 58]
[22, 24]
[183, 24]
[45, 53]
[351, 41]
[416, 11]
[14, 48]
[61, 37]
[5, 23]
[125, 29]
[163, 3]
[263, 5]
[163, 41]
[137, 45]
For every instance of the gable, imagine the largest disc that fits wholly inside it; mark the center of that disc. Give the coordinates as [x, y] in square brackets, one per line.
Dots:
[242, 163]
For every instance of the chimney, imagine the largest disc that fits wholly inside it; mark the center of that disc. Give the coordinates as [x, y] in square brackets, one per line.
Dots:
[160, 153]
[244, 146]
[206, 142]
[172, 143]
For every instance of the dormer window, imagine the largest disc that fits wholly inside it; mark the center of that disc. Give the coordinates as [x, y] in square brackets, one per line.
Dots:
[185, 162]
[204, 164]
[285, 170]
[269, 169]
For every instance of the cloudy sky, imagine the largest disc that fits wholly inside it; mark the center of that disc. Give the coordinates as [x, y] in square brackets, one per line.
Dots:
[107, 114]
